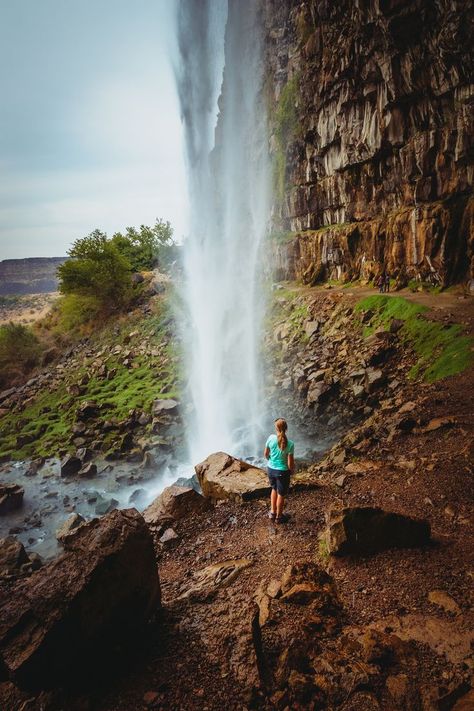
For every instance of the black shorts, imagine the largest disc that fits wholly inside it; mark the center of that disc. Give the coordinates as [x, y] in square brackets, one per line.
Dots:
[279, 480]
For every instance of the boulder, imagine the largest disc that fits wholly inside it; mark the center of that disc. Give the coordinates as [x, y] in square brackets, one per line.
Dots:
[89, 470]
[87, 410]
[374, 379]
[69, 525]
[12, 556]
[173, 504]
[366, 530]
[224, 477]
[65, 621]
[165, 405]
[11, 498]
[105, 505]
[70, 465]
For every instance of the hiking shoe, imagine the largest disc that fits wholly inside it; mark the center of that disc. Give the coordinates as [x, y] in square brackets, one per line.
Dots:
[284, 518]
[272, 516]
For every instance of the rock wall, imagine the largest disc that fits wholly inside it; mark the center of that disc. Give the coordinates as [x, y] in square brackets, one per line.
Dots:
[373, 147]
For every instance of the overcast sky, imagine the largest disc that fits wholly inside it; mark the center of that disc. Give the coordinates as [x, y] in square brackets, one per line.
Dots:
[90, 134]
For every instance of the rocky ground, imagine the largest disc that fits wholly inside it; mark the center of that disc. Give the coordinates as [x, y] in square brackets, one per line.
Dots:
[262, 616]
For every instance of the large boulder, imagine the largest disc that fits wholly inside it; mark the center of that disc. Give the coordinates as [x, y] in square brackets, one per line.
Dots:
[366, 530]
[70, 465]
[65, 621]
[11, 498]
[224, 477]
[173, 504]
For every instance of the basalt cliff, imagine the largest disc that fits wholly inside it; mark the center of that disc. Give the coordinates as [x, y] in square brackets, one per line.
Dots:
[371, 138]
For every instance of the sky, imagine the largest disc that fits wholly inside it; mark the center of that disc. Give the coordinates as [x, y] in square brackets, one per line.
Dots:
[90, 132]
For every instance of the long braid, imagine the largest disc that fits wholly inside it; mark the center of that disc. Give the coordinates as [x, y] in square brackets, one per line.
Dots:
[281, 428]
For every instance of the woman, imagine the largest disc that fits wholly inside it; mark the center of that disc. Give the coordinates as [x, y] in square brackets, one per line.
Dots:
[279, 450]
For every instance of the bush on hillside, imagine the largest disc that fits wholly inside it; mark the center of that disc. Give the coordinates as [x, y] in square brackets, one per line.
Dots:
[97, 269]
[75, 312]
[20, 351]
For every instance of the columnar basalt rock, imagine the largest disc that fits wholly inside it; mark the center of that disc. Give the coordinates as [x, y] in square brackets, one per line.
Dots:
[372, 138]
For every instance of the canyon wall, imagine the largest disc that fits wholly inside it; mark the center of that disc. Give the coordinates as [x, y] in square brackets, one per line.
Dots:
[35, 275]
[372, 138]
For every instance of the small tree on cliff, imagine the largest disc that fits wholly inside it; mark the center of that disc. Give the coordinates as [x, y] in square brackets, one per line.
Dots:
[146, 247]
[97, 268]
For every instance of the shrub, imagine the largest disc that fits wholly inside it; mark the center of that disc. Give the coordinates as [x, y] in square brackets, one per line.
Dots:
[97, 269]
[20, 351]
[76, 311]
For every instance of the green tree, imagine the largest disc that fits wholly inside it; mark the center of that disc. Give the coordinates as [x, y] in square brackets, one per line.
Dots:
[97, 268]
[146, 247]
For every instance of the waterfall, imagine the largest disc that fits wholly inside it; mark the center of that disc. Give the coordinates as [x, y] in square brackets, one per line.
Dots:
[220, 79]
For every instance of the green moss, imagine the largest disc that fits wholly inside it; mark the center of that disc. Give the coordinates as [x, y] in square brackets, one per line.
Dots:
[285, 129]
[442, 350]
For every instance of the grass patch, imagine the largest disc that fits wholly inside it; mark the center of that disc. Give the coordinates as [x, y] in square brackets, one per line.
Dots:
[442, 350]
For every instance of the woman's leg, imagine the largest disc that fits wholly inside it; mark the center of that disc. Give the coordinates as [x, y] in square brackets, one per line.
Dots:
[273, 501]
[280, 504]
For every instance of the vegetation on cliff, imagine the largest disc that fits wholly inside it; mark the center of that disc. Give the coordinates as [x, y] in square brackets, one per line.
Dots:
[285, 130]
[442, 349]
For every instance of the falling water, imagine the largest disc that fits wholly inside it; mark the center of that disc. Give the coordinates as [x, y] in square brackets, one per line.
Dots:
[220, 80]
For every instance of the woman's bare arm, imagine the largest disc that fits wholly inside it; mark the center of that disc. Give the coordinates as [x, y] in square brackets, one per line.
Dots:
[266, 453]
[291, 463]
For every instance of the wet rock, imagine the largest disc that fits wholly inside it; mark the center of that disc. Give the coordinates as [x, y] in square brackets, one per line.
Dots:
[11, 498]
[70, 465]
[67, 620]
[89, 470]
[224, 477]
[174, 504]
[365, 530]
[12, 556]
[69, 525]
[105, 505]
[137, 496]
[148, 461]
